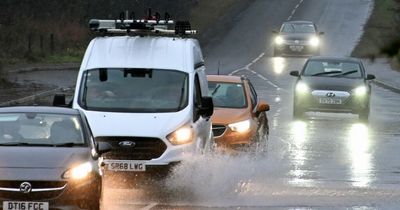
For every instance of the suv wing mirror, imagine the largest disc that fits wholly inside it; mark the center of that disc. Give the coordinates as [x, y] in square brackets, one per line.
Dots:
[262, 106]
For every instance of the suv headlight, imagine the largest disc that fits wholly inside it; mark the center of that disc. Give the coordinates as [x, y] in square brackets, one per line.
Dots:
[279, 40]
[79, 172]
[241, 126]
[302, 88]
[361, 91]
[314, 41]
[183, 135]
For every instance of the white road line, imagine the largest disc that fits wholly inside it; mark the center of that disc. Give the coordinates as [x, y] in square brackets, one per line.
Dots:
[150, 206]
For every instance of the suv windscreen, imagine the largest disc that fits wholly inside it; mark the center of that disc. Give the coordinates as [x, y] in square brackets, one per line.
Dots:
[134, 90]
[40, 129]
[333, 69]
[297, 28]
[227, 95]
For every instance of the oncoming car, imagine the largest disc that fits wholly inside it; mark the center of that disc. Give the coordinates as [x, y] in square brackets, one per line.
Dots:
[48, 159]
[331, 84]
[297, 38]
[239, 116]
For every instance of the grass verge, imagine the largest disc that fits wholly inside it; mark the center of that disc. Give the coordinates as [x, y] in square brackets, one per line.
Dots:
[381, 30]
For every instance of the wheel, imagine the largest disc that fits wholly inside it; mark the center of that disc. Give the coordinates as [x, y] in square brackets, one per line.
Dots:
[260, 142]
[298, 113]
[276, 53]
[364, 115]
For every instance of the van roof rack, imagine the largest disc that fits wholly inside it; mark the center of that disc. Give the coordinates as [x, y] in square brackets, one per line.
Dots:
[152, 25]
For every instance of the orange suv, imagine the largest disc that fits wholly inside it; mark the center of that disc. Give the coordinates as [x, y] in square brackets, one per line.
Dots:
[239, 116]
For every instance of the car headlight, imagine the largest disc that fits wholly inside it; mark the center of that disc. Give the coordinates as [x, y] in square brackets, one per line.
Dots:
[314, 41]
[279, 40]
[241, 126]
[79, 172]
[183, 135]
[302, 88]
[361, 91]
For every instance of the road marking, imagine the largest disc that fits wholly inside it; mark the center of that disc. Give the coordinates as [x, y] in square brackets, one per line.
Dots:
[294, 10]
[150, 206]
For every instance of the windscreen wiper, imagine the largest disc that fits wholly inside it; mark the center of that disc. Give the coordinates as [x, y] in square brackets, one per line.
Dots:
[215, 90]
[346, 73]
[326, 72]
[23, 144]
[67, 144]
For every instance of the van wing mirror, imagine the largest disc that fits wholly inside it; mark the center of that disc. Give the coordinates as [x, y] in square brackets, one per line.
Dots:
[207, 107]
[262, 106]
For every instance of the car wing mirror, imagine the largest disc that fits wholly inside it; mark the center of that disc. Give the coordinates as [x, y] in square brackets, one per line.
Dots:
[262, 106]
[275, 32]
[321, 33]
[103, 147]
[207, 107]
[295, 73]
[370, 77]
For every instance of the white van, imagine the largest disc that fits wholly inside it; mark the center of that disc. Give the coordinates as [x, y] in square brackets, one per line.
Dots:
[148, 97]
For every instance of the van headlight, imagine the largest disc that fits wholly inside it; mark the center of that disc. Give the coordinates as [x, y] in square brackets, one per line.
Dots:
[241, 126]
[279, 40]
[302, 88]
[79, 172]
[314, 41]
[183, 135]
[361, 91]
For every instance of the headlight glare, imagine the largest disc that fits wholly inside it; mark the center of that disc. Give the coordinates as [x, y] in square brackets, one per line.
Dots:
[241, 126]
[79, 172]
[360, 91]
[302, 88]
[279, 40]
[314, 41]
[181, 136]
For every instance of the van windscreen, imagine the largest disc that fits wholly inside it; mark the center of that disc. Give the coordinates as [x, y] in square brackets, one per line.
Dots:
[134, 90]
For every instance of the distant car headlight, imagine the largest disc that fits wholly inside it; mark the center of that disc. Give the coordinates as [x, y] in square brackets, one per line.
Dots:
[314, 41]
[181, 136]
[361, 91]
[302, 88]
[279, 40]
[241, 126]
[79, 172]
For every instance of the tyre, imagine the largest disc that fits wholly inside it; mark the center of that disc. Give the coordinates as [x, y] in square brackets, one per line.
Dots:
[364, 115]
[298, 113]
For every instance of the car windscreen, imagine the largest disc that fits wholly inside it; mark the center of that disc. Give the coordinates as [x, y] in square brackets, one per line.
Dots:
[333, 69]
[227, 95]
[134, 90]
[297, 28]
[40, 129]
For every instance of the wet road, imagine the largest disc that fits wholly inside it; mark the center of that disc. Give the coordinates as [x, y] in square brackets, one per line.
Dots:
[327, 161]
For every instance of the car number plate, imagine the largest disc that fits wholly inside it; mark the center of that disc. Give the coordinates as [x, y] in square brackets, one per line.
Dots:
[297, 48]
[125, 165]
[330, 101]
[25, 205]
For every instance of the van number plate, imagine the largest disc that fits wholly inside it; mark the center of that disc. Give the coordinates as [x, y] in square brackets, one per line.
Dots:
[114, 165]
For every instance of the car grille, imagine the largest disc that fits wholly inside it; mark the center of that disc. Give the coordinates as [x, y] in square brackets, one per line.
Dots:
[48, 190]
[343, 96]
[296, 42]
[218, 130]
[143, 149]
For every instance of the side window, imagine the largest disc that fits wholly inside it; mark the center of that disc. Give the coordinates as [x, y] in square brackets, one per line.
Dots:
[197, 97]
[253, 95]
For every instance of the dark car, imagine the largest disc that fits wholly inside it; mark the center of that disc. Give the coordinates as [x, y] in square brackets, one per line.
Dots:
[48, 159]
[297, 38]
[330, 84]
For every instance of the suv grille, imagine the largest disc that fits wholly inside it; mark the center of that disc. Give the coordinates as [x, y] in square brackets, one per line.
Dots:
[133, 148]
[218, 130]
